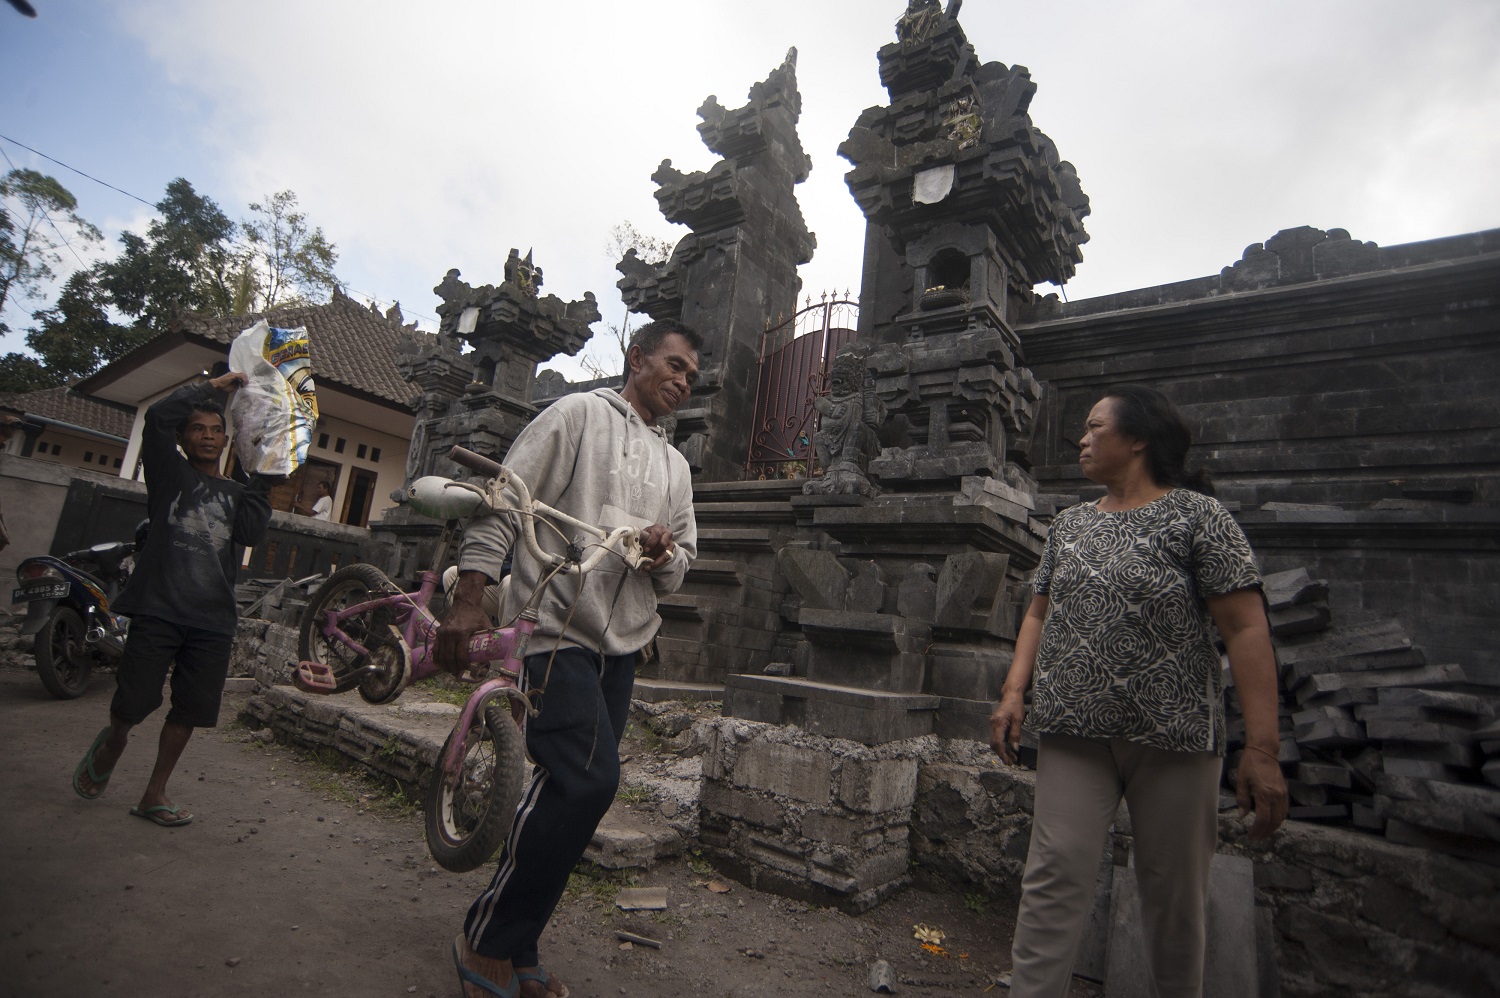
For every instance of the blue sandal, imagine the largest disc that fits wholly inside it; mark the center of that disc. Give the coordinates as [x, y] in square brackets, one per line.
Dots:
[543, 978]
[87, 764]
[467, 976]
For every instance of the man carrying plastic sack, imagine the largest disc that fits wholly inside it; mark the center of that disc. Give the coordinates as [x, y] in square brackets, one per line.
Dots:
[181, 596]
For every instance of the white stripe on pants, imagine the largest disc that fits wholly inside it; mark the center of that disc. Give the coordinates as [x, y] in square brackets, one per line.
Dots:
[1173, 799]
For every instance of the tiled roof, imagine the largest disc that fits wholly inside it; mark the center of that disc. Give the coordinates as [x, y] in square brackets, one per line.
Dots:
[351, 346]
[66, 406]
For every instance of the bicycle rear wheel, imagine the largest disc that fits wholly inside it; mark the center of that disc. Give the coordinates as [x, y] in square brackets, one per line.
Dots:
[348, 586]
[468, 822]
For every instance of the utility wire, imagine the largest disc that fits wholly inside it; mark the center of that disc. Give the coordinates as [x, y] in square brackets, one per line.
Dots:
[65, 166]
[148, 204]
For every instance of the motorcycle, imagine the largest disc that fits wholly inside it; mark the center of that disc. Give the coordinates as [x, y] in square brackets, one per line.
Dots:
[68, 611]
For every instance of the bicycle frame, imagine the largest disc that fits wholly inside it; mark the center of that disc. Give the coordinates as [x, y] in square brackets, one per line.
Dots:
[504, 646]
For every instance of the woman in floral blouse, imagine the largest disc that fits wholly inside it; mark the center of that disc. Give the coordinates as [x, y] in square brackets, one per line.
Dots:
[1128, 699]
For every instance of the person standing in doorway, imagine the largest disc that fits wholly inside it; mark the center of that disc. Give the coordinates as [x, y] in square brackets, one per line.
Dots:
[322, 507]
[180, 598]
[600, 457]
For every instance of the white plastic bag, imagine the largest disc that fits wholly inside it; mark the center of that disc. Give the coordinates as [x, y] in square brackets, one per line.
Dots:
[276, 412]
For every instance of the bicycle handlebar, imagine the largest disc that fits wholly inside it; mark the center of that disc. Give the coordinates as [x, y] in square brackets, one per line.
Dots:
[466, 458]
[627, 538]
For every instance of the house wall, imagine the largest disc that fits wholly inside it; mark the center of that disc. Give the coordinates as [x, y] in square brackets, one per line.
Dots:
[357, 439]
[32, 493]
[389, 468]
[73, 450]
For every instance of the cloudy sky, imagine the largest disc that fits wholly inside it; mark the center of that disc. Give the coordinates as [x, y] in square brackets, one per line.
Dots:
[424, 136]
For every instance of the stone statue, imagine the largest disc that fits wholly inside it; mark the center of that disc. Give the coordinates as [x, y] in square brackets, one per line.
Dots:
[847, 438]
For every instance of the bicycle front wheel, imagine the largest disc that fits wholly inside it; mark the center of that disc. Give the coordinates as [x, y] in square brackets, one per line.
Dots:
[467, 820]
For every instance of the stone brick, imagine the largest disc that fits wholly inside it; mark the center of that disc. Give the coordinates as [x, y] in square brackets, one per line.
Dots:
[1397, 910]
[793, 771]
[718, 797]
[877, 785]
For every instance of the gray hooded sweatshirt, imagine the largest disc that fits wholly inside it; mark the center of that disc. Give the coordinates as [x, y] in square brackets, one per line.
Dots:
[591, 456]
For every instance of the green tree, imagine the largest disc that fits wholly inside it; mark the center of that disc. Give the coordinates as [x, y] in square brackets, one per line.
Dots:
[608, 359]
[185, 261]
[34, 212]
[284, 261]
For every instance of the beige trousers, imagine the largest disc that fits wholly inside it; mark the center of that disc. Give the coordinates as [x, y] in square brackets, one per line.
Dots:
[1173, 801]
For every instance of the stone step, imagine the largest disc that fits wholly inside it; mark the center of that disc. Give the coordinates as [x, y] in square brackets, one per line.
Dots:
[861, 715]
[660, 690]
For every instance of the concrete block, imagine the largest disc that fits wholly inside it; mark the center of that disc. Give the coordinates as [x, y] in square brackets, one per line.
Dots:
[1230, 965]
[623, 841]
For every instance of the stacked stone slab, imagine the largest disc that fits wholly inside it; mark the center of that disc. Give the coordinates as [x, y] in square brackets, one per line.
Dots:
[1373, 735]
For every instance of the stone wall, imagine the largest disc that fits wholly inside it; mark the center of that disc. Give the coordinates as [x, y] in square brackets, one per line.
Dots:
[1320, 371]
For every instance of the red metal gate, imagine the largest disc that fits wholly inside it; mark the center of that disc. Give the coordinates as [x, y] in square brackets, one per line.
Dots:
[794, 358]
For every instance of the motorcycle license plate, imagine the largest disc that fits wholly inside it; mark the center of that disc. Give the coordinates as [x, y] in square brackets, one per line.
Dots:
[47, 590]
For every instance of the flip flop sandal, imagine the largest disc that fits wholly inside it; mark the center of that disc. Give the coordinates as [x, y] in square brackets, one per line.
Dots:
[161, 814]
[101, 780]
[468, 976]
[543, 978]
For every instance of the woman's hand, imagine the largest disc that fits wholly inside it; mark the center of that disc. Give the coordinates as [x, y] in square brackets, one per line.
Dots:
[1241, 619]
[1259, 787]
[1005, 726]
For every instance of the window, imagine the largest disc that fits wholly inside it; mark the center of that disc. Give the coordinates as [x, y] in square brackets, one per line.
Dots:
[88, 457]
[103, 458]
[323, 441]
[375, 454]
[119, 461]
[57, 450]
[338, 445]
[361, 452]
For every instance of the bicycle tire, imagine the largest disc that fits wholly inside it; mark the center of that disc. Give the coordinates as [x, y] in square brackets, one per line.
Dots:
[346, 587]
[63, 660]
[467, 824]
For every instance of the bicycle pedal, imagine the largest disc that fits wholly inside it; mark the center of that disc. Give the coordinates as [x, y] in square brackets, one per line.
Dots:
[315, 677]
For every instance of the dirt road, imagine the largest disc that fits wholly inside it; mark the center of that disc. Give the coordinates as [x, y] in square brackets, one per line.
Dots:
[291, 882]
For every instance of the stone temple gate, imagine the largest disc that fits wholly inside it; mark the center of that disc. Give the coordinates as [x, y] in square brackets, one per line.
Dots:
[1346, 397]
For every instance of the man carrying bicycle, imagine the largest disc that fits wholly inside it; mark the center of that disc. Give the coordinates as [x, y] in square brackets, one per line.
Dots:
[599, 457]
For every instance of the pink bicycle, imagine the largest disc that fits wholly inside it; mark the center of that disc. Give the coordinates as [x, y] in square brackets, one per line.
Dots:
[361, 632]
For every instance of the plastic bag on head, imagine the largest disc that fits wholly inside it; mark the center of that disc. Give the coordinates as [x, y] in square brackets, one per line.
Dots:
[276, 411]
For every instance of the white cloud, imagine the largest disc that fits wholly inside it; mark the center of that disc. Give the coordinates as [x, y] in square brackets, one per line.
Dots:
[437, 135]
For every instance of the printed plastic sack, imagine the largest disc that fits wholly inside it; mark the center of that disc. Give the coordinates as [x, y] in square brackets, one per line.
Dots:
[276, 412]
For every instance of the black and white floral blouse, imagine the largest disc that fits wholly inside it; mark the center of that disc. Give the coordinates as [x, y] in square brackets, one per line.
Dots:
[1127, 648]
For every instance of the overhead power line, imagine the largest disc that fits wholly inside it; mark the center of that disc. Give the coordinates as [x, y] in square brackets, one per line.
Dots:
[65, 166]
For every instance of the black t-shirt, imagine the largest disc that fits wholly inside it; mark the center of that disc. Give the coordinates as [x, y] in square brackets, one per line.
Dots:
[186, 571]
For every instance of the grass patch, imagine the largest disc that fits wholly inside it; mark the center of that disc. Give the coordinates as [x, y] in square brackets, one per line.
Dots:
[976, 902]
[444, 690]
[596, 885]
[339, 779]
[635, 793]
[699, 865]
